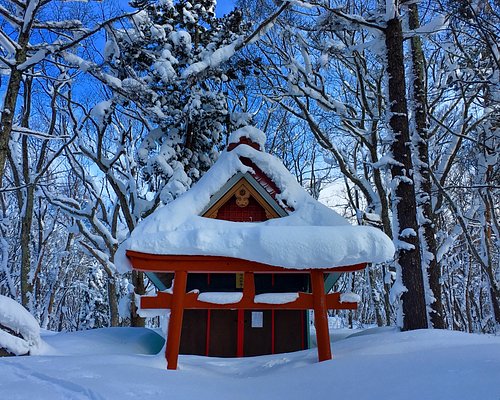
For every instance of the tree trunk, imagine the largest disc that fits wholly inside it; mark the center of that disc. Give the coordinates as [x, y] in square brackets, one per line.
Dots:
[26, 278]
[138, 283]
[375, 296]
[26, 207]
[113, 303]
[425, 196]
[403, 196]
[7, 119]
[12, 91]
[488, 248]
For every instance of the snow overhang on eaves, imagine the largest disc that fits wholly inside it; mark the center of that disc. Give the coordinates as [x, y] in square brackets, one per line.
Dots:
[255, 185]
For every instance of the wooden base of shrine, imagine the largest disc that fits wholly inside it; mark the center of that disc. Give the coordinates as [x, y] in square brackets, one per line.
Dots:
[179, 300]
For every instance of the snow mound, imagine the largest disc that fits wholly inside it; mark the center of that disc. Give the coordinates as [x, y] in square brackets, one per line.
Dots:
[104, 341]
[16, 320]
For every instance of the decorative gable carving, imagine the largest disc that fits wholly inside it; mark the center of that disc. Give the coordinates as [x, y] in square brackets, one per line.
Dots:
[242, 194]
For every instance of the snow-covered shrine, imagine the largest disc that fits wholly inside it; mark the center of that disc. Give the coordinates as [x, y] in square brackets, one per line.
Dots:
[250, 252]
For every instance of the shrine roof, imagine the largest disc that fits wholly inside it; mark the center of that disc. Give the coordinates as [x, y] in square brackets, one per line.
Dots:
[310, 236]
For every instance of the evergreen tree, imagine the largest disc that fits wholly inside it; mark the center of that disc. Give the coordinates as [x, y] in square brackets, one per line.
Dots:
[170, 61]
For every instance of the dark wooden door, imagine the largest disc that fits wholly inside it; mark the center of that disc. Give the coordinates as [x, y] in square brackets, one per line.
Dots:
[194, 332]
[290, 331]
[258, 333]
[223, 340]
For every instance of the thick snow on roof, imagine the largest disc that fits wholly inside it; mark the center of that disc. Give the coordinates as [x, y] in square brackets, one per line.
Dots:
[311, 236]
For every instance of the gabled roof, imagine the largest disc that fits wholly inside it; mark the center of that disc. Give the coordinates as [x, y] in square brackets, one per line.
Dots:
[310, 236]
[260, 193]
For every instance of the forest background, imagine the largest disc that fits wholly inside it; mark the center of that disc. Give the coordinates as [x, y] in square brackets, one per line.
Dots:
[111, 110]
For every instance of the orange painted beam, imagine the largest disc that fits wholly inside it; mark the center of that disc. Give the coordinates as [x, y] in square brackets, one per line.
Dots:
[304, 302]
[215, 264]
[320, 316]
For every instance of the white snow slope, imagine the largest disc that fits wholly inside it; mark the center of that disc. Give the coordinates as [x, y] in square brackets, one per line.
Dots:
[376, 364]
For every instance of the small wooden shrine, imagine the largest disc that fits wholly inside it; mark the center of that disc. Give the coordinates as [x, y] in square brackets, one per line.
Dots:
[229, 294]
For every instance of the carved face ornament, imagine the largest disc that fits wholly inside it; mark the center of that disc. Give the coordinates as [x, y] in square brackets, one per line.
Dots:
[242, 197]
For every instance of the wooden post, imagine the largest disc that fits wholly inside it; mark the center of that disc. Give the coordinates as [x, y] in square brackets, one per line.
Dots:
[175, 322]
[248, 297]
[320, 315]
[240, 338]
[248, 286]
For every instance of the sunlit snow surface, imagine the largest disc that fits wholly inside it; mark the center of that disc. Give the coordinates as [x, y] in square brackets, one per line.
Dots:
[376, 364]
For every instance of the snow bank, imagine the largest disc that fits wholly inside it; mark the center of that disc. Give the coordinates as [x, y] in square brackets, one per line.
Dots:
[17, 319]
[311, 236]
[389, 365]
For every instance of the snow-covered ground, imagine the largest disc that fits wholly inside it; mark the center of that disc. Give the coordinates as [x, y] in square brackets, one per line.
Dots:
[120, 363]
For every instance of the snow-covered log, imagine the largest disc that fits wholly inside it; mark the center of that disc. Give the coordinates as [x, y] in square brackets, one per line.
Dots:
[19, 330]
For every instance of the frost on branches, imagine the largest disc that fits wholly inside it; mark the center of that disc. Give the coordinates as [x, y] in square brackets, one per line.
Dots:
[169, 59]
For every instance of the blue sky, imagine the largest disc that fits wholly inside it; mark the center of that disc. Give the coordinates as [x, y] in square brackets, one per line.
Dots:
[224, 6]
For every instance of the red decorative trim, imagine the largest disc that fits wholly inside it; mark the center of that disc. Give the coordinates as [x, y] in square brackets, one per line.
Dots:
[191, 302]
[244, 140]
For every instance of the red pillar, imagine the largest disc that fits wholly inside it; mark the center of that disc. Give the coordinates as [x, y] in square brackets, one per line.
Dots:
[248, 295]
[320, 315]
[175, 322]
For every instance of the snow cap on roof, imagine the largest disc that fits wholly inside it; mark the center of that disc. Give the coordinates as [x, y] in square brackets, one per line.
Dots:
[248, 135]
[311, 236]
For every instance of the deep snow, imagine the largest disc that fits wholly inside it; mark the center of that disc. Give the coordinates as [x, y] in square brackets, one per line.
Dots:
[117, 363]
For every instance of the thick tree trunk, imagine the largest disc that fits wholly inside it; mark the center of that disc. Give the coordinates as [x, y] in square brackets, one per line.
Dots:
[404, 201]
[425, 195]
